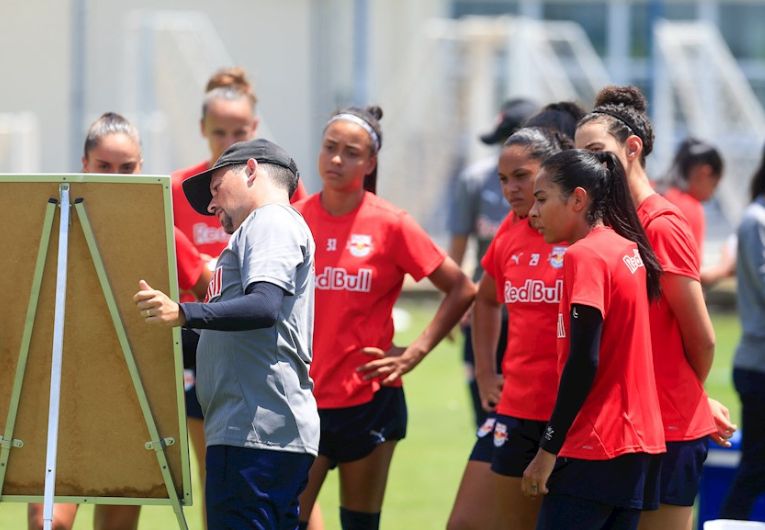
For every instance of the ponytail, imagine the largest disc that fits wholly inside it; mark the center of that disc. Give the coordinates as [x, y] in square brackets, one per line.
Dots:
[602, 175]
[621, 215]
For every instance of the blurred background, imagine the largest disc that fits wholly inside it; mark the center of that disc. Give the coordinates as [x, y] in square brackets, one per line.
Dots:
[439, 69]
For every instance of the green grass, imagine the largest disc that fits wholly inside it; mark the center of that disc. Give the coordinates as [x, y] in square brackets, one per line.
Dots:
[428, 464]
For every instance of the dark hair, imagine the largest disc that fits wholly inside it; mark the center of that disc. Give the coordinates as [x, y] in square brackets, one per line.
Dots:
[109, 123]
[561, 116]
[757, 187]
[371, 115]
[280, 175]
[603, 177]
[230, 84]
[540, 143]
[623, 108]
[693, 152]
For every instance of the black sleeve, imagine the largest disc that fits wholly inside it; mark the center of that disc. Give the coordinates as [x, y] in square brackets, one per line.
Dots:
[258, 308]
[578, 374]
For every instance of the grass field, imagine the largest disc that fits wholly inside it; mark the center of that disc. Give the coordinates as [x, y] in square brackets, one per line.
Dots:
[428, 464]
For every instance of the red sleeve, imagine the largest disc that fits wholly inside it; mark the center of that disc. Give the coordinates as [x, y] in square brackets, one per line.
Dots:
[584, 276]
[190, 263]
[415, 252]
[674, 245]
[300, 193]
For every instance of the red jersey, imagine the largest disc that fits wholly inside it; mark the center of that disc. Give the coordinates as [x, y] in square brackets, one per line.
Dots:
[684, 406]
[361, 260]
[529, 277]
[603, 270]
[204, 231]
[692, 210]
[188, 260]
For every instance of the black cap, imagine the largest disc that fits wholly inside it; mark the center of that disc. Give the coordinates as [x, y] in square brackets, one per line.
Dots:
[512, 116]
[197, 187]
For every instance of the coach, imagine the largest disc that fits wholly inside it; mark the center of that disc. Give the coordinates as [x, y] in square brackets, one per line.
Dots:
[261, 423]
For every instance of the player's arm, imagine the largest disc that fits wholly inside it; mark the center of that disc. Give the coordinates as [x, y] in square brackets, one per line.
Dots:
[487, 323]
[576, 382]
[686, 299]
[199, 289]
[460, 291]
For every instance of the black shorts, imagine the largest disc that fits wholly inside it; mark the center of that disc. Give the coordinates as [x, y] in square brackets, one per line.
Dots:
[628, 481]
[351, 433]
[509, 444]
[193, 408]
[681, 469]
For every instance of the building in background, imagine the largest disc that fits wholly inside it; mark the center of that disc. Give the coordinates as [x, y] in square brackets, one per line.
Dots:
[438, 68]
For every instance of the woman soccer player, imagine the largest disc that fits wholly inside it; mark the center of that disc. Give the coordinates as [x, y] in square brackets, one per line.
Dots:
[364, 248]
[113, 146]
[604, 428]
[523, 272]
[681, 330]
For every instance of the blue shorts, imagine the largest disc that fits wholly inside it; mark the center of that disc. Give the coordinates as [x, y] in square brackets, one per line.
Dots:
[628, 481]
[193, 408]
[189, 341]
[509, 444]
[351, 433]
[574, 513]
[681, 469]
[254, 488]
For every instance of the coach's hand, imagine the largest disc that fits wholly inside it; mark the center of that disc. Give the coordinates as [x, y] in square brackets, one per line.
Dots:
[725, 428]
[156, 307]
[392, 363]
[536, 475]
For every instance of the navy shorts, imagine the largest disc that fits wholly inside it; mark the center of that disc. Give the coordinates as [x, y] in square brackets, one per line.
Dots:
[351, 433]
[509, 444]
[254, 488]
[574, 513]
[628, 481]
[681, 469]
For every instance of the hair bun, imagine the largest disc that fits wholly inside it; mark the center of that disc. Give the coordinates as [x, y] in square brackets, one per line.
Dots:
[234, 77]
[629, 96]
[375, 111]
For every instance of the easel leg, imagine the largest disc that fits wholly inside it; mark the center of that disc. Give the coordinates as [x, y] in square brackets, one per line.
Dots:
[157, 443]
[56, 362]
[6, 440]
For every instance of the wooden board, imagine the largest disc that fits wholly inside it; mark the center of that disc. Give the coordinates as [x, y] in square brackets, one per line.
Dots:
[102, 433]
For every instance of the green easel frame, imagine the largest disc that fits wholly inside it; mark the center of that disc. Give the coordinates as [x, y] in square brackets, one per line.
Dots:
[157, 443]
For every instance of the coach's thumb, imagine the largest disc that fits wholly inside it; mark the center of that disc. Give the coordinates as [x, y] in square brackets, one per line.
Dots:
[143, 286]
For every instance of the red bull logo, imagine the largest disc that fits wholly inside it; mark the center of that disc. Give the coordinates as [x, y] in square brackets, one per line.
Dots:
[500, 435]
[633, 262]
[360, 245]
[339, 279]
[486, 427]
[533, 291]
[204, 234]
[556, 257]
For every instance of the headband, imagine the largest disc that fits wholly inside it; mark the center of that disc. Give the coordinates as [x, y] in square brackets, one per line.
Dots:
[626, 121]
[361, 123]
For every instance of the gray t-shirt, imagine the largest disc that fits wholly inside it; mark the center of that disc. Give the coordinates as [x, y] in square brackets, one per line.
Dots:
[478, 206]
[253, 385]
[750, 275]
